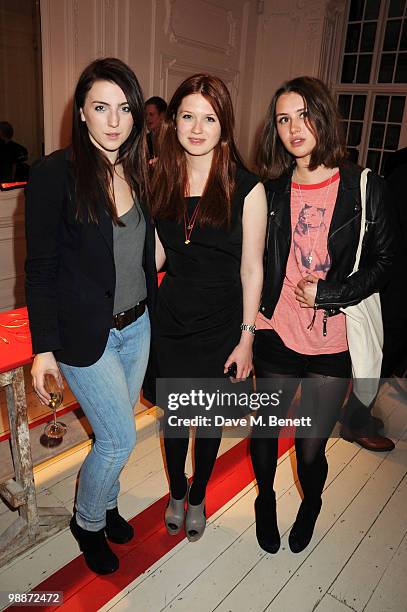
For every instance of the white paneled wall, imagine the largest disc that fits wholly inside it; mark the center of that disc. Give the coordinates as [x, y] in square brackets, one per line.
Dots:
[252, 44]
[164, 41]
[12, 249]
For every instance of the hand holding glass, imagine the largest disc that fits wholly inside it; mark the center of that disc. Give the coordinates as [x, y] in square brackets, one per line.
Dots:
[54, 429]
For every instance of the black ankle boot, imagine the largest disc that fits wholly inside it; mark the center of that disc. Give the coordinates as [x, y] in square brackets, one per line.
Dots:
[98, 556]
[267, 532]
[117, 529]
[303, 528]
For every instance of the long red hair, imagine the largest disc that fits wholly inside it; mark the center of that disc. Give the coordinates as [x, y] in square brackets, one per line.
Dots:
[170, 176]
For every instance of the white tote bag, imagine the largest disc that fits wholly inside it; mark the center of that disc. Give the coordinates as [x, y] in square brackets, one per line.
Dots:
[364, 328]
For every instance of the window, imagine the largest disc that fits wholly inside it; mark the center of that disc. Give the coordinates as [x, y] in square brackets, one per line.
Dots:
[372, 78]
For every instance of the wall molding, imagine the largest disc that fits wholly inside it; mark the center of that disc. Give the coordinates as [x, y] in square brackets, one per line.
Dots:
[331, 36]
[175, 37]
[171, 65]
[100, 20]
[47, 73]
[123, 31]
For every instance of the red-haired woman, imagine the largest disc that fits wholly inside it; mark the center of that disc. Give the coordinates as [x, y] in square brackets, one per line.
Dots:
[211, 218]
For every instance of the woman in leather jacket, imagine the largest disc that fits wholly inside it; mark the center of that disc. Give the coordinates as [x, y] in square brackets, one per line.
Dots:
[313, 233]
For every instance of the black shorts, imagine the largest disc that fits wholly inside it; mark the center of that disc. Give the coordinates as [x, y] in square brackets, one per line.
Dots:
[272, 355]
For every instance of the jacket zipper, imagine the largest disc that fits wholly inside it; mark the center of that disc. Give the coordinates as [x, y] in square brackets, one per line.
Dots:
[271, 214]
[341, 305]
[338, 229]
[324, 321]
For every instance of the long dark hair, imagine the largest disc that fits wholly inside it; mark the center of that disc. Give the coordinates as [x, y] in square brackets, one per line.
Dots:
[322, 119]
[93, 171]
[170, 176]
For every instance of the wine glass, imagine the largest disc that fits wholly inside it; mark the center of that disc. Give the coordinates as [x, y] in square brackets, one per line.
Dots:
[54, 429]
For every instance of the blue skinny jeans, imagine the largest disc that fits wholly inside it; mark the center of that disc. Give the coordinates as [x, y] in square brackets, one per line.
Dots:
[107, 392]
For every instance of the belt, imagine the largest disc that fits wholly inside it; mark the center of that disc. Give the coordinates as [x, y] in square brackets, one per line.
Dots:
[122, 319]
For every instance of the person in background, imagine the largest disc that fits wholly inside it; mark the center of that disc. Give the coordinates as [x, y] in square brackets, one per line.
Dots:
[394, 160]
[13, 156]
[395, 292]
[313, 234]
[155, 112]
[358, 423]
[90, 275]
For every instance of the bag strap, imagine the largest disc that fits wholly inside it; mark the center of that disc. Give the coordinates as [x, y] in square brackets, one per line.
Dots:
[363, 183]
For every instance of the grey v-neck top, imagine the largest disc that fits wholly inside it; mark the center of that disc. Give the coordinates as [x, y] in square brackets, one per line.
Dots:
[128, 247]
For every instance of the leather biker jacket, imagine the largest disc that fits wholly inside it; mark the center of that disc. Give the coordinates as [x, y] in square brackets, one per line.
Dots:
[338, 289]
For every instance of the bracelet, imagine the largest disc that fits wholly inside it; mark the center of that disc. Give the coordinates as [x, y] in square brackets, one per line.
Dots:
[250, 328]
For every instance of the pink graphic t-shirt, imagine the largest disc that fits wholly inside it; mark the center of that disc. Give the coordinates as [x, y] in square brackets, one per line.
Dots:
[312, 208]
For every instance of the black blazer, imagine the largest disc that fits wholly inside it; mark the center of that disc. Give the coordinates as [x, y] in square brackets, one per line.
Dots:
[70, 271]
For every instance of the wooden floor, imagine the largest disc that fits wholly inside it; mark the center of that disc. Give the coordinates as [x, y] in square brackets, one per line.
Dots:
[357, 559]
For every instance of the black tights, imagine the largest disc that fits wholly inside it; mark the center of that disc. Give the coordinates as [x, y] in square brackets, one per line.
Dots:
[325, 397]
[205, 453]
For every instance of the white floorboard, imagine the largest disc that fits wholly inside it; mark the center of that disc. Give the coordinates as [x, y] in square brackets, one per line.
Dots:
[356, 561]
[365, 568]
[391, 592]
[330, 604]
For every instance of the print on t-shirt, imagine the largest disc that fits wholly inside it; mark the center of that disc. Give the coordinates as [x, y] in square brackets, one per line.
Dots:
[309, 234]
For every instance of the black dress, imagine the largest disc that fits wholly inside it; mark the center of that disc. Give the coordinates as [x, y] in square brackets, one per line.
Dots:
[200, 301]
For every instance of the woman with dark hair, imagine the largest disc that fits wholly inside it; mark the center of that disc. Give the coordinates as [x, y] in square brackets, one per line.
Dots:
[90, 272]
[314, 226]
[211, 217]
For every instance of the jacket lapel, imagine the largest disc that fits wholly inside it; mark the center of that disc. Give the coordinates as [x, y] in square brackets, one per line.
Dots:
[281, 205]
[348, 202]
[147, 217]
[105, 227]
[105, 224]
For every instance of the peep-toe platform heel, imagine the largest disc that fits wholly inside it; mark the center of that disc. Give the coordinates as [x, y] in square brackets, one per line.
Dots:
[175, 514]
[195, 522]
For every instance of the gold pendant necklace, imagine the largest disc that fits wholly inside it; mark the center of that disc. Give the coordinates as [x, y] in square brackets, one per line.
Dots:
[190, 223]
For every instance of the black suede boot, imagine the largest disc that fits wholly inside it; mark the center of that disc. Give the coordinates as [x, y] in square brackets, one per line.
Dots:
[98, 556]
[267, 532]
[303, 528]
[117, 529]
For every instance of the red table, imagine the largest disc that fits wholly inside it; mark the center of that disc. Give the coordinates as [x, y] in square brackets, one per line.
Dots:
[15, 339]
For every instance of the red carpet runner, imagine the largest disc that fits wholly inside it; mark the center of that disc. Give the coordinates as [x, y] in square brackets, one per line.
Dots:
[84, 590]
